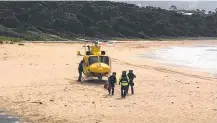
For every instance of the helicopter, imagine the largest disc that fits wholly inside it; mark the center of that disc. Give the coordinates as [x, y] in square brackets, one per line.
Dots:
[95, 62]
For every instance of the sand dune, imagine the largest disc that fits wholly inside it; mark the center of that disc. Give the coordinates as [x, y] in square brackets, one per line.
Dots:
[38, 82]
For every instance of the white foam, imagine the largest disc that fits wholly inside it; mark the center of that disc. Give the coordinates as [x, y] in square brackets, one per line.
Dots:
[204, 58]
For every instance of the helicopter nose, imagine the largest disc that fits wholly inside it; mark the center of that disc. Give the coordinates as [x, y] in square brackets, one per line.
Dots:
[99, 68]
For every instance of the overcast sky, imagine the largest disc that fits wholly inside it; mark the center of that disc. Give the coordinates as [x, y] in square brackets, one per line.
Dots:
[180, 4]
[207, 5]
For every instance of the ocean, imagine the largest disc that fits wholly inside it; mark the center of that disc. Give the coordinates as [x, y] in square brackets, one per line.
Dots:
[201, 57]
[6, 118]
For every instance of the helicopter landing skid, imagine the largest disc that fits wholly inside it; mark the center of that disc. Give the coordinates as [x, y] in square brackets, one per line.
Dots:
[91, 78]
[86, 78]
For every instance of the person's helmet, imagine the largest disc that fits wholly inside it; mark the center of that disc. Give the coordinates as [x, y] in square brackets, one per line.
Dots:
[114, 73]
[124, 72]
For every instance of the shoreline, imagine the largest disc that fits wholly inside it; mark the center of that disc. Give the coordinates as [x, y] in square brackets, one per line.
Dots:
[7, 117]
[157, 62]
[122, 41]
[171, 64]
[41, 66]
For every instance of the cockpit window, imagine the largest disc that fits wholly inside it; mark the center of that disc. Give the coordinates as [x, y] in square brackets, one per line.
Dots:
[104, 59]
[93, 59]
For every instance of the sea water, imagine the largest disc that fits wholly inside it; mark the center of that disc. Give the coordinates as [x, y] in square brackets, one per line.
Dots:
[203, 57]
[6, 118]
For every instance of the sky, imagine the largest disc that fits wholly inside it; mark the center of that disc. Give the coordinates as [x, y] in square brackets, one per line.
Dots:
[189, 5]
[208, 5]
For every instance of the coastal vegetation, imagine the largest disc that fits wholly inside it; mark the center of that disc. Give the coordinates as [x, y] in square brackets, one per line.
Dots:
[62, 20]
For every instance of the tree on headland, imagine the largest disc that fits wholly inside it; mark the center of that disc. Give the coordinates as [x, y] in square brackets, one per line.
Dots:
[204, 11]
[36, 20]
[173, 7]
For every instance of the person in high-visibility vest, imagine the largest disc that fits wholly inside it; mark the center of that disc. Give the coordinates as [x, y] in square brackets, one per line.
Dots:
[124, 81]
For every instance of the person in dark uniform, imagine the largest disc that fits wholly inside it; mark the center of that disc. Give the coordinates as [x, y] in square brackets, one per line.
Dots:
[88, 46]
[131, 76]
[124, 83]
[112, 81]
[80, 70]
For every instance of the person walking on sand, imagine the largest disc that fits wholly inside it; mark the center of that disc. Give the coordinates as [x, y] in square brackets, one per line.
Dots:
[131, 77]
[80, 70]
[112, 81]
[124, 83]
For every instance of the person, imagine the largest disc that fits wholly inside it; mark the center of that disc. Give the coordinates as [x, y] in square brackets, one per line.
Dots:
[131, 77]
[124, 83]
[112, 81]
[80, 70]
[88, 46]
[96, 43]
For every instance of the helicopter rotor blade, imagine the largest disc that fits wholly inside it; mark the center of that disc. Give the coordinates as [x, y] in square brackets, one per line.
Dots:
[82, 39]
[99, 41]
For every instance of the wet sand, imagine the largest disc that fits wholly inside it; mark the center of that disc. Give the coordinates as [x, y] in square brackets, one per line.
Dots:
[38, 82]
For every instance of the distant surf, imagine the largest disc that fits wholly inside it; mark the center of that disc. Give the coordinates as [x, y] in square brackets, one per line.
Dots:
[200, 57]
[6, 118]
[203, 57]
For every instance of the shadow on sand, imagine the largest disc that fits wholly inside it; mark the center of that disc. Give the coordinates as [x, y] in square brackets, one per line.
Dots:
[94, 82]
[89, 82]
[120, 98]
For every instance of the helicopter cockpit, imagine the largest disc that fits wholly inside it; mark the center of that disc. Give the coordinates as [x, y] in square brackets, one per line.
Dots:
[93, 59]
[104, 59]
[98, 59]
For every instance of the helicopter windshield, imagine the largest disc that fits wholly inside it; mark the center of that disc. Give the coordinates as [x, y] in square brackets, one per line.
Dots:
[104, 59]
[93, 59]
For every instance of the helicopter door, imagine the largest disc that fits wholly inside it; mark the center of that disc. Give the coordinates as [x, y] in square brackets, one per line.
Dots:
[86, 63]
[85, 67]
[110, 62]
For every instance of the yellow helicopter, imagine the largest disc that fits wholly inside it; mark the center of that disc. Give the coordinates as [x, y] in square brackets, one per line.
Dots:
[95, 62]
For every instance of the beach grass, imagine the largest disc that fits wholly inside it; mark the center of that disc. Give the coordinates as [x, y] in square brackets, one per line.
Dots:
[9, 40]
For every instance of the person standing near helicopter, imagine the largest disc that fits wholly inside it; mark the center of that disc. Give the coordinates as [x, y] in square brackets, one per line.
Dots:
[131, 76]
[124, 81]
[112, 81]
[80, 70]
[88, 46]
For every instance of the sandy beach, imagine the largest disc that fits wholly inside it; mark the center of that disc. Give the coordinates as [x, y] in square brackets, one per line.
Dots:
[38, 83]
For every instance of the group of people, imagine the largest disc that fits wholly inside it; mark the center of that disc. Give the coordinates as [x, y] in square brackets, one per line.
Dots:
[126, 81]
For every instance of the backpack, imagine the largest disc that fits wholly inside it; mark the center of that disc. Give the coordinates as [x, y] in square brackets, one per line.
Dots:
[110, 79]
[105, 86]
